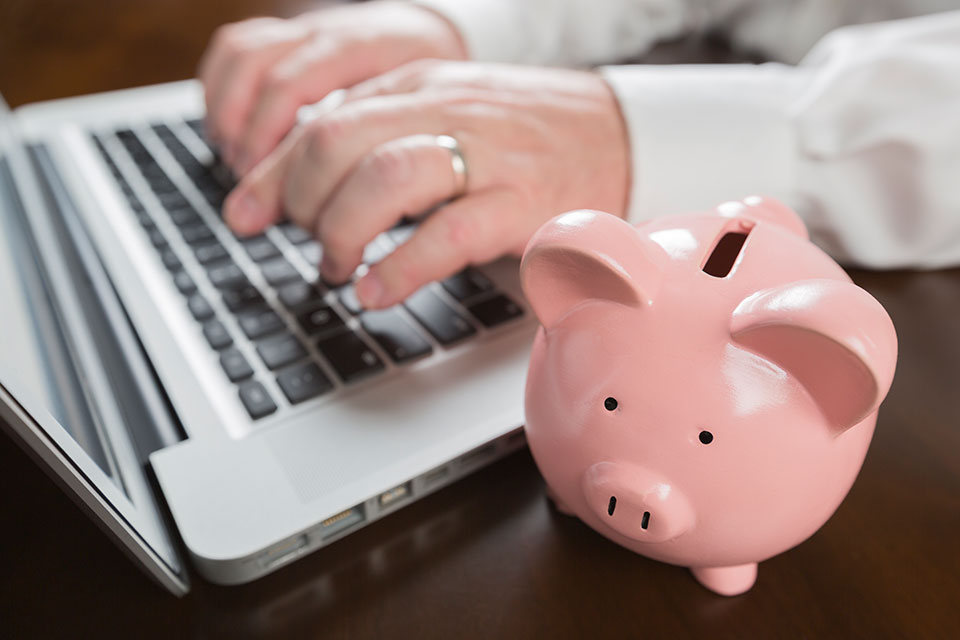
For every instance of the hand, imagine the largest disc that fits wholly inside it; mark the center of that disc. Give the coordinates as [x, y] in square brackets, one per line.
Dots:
[258, 72]
[537, 142]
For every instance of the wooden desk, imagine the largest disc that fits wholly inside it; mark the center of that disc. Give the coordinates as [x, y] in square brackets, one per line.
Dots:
[488, 557]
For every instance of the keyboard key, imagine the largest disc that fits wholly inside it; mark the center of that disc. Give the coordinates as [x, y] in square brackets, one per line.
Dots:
[200, 309]
[184, 283]
[226, 275]
[350, 356]
[157, 239]
[495, 310]
[147, 223]
[400, 234]
[217, 335]
[395, 335]
[170, 260]
[295, 234]
[257, 323]
[196, 233]
[302, 382]
[261, 248]
[184, 216]
[280, 351]
[467, 284]
[235, 365]
[242, 297]
[277, 271]
[297, 295]
[209, 252]
[347, 296]
[311, 252]
[443, 323]
[256, 399]
[375, 252]
[216, 198]
[197, 125]
[172, 200]
[320, 320]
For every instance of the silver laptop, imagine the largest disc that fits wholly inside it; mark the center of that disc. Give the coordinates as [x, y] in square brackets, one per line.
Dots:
[174, 376]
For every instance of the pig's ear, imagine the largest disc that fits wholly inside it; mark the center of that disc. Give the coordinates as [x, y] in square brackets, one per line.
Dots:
[832, 336]
[755, 209]
[587, 255]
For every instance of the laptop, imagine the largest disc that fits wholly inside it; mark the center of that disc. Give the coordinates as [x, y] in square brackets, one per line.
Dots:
[209, 396]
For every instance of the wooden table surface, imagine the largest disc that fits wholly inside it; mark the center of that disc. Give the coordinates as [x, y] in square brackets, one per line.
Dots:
[487, 557]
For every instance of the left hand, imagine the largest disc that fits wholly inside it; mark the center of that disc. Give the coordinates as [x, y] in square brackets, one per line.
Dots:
[537, 142]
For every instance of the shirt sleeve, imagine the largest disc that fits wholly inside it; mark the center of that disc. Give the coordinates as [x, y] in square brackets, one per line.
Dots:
[862, 139]
[565, 32]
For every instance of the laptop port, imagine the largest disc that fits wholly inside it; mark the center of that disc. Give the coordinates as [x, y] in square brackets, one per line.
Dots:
[283, 552]
[395, 495]
[342, 521]
[437, 475]
[478, 456]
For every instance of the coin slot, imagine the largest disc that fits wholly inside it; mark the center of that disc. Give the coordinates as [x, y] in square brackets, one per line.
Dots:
[725, 254]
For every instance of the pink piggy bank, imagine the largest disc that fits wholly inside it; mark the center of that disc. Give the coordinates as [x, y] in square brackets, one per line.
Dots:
[704, 387]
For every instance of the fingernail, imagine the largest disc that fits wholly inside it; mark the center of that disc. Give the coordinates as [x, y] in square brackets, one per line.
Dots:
[244, 212]
[370, 290]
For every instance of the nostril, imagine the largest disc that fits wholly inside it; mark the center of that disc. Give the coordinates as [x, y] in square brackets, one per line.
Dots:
[645, 520]
[612, 505]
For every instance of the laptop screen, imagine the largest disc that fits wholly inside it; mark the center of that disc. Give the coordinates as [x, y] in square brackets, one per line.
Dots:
[49, 395]
[33, 350]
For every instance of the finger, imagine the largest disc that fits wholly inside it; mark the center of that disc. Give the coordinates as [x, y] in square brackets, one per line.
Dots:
[233, 78]
[256, 202]
[331, 146]
[473, 230]
[404, 176]
[222, 46]
[225, 43]
[302, 77]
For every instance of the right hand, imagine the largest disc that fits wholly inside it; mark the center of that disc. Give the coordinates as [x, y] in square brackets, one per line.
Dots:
[257, 73]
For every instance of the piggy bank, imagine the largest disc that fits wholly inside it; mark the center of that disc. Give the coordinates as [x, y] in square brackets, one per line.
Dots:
[703, 388]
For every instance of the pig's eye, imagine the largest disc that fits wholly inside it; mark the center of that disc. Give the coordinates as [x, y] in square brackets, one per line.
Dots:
[706, 437]
[610, 404]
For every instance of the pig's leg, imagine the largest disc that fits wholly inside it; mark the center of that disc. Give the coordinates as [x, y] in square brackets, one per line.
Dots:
[727, 581]
[558, 503]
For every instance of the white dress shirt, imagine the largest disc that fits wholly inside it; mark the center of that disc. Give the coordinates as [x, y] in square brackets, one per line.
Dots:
[859, 130]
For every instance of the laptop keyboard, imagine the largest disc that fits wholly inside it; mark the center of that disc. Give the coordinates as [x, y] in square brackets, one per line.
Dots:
[283, 335]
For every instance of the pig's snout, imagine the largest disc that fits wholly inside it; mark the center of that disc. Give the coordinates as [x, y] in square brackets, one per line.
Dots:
[637, 503]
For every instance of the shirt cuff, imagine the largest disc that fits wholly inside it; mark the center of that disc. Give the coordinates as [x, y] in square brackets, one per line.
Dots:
[705, 134]
[492, 30]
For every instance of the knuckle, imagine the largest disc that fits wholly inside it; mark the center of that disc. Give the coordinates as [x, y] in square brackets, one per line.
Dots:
[419, 71]
[389, 167]
[459, 231]
[226, 37]
[322, 135]
[278, 80]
